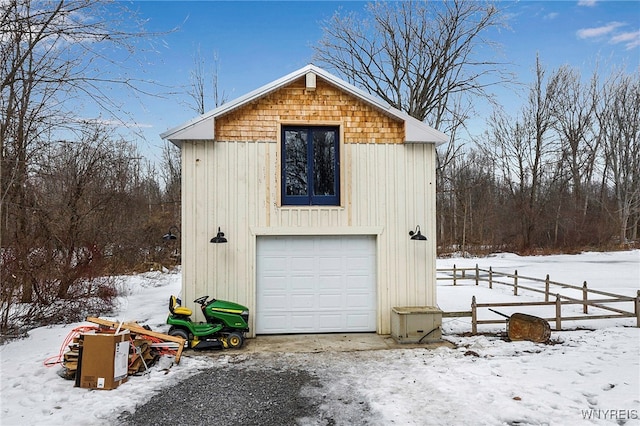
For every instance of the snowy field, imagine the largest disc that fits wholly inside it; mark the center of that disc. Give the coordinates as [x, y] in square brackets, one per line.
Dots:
[587, 376]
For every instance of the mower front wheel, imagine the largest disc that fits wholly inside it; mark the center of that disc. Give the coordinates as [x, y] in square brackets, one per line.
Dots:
[180, 332]
[235, 340]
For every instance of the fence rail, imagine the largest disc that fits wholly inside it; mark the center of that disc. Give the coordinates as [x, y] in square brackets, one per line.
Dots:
[516, 281]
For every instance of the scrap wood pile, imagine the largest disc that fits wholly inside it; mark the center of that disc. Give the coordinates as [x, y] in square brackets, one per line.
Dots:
[142, 356]
[70, 360]
[145, 349]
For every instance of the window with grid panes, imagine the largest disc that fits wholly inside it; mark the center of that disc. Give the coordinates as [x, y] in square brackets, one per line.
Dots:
[310, 166]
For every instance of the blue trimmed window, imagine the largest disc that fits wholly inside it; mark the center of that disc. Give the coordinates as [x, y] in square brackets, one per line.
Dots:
[310, 166]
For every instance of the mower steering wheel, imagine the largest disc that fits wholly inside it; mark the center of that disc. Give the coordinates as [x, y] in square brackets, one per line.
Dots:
[201, 300]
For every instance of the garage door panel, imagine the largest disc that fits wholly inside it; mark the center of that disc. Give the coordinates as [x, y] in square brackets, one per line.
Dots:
[275, 264]
[277, 322]
[329, 322]
[278, 283]
[357, 282]
[301, 283]
[295, 244]
[306, 301]
[329, 301]
[318, 283]
[327, 244]
[359, 320]
[302, 321]
[274, 302]
[331, 282]
[358, 301]
[329, 263]
[360, 262]
[306, 263]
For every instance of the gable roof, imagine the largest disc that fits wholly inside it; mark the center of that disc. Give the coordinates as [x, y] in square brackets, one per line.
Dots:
[200, 128]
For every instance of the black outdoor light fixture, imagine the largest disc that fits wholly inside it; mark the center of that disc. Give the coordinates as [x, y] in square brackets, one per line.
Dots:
[417, 235]
[169, 235]
[219, 238]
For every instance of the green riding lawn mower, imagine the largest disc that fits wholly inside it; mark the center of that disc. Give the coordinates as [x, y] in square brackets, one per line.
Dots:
[226, 324]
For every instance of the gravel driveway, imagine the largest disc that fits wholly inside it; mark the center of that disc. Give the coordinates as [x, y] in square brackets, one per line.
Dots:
[257, 389]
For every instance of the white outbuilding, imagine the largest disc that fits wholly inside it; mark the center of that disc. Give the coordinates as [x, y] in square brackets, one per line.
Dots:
[315, 185]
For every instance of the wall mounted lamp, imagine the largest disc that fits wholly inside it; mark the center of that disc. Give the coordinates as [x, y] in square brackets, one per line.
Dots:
[219, 238]
[417, 235]
[170, 235]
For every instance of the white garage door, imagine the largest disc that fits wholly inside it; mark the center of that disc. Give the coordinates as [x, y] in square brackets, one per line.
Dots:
[315, 284]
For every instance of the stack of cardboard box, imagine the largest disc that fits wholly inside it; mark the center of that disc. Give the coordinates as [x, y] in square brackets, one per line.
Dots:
[103, 359]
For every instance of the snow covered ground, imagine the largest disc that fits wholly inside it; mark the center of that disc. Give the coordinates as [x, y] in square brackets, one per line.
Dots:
[585, 377]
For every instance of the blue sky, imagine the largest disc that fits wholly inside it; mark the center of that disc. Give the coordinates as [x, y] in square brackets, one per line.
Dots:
[258, 42]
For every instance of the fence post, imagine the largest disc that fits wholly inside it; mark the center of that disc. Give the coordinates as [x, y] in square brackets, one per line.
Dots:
[546, 289]
[638, 309]
[558, 313]
[584, 298]
[490, 277]
[454, 274]
[477, 274]
[474, 324]
[515, 283]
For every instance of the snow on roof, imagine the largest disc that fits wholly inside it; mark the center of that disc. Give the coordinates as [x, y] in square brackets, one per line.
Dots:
[200, 128]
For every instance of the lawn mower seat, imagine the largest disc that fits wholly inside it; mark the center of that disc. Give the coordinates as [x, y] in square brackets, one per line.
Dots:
[175, 309]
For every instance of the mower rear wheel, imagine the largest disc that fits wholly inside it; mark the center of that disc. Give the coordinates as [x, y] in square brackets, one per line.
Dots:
[180, 332]
[235, 340]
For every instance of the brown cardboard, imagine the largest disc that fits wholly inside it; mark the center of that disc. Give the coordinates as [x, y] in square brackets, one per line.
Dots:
[103, 360]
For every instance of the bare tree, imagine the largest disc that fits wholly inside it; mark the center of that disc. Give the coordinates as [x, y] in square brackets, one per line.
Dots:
[53, 54]
[417, 55]
[620, 132]
[203, 87]
[74, 197]
[172, 179]
[197, 90]
[574, 111]
[526, 153]
[472, 208]
[200, 86]
[560, 173]
[432, 60]
[77, 187]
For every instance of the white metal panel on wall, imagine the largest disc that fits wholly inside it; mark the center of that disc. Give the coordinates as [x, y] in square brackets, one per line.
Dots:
[223, 185]
[234, 185]
[316, 284]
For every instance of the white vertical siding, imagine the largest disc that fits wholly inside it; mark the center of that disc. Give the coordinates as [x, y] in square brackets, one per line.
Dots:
[387, 189]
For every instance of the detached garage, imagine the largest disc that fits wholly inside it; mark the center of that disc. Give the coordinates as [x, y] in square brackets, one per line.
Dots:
[316, 186]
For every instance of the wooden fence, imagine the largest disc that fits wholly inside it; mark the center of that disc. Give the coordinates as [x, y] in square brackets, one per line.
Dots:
[519, 282]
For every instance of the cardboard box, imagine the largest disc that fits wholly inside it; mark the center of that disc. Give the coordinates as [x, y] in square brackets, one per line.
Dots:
[103, 360]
